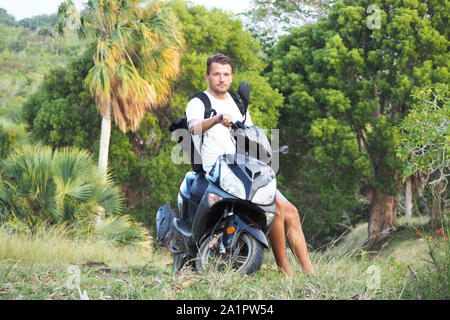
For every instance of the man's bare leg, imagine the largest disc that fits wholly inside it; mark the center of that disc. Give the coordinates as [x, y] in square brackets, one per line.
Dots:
[296, 238]
[277, 238]
[287, 224]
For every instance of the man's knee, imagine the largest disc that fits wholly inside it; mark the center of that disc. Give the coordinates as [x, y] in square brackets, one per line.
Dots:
[288, 211]
[291, 214]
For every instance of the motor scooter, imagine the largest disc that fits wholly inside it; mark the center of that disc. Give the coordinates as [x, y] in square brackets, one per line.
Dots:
[224, 216]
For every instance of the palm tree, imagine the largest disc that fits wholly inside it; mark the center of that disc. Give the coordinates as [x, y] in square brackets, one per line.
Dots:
[138, 53]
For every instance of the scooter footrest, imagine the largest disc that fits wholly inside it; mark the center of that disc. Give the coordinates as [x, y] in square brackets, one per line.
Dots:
[182, 227]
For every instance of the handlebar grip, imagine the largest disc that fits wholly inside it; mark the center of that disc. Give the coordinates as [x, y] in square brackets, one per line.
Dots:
[233, 125]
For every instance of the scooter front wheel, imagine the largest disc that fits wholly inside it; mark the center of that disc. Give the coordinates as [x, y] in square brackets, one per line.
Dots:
[245, 256]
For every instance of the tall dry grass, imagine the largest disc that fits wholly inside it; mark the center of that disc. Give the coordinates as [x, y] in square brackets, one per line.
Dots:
[343, 271]
[48, 245]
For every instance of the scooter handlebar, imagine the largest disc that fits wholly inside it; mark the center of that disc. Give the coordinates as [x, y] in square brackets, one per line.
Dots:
[234, 126]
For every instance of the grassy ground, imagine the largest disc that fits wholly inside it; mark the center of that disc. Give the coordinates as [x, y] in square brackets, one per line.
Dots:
[50, 265]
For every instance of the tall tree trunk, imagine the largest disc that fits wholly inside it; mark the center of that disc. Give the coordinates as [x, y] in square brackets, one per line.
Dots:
[103, 152]
[104, 138]
[408, 198]
[436, 205]
[418, 185]
[383, 216]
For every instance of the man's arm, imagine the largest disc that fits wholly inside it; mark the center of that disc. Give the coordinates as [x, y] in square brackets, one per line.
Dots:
[198, 126]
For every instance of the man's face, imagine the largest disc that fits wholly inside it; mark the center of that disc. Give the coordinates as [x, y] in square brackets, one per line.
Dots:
[219, 77]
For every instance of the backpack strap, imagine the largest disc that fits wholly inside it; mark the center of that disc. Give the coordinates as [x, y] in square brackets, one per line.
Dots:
[209, 111]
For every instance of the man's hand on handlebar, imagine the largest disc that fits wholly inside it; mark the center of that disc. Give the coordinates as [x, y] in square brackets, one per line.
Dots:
[224, 119]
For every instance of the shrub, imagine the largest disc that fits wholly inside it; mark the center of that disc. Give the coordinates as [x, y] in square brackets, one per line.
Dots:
[55, 186]
[63, 187]
[7, 140]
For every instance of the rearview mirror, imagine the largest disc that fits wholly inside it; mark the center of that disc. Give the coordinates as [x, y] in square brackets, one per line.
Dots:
[244, 92]
[283, 150]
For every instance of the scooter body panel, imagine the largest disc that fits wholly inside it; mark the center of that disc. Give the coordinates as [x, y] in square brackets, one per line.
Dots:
[203, 216]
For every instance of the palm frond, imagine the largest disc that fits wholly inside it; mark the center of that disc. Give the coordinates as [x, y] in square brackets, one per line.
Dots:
[42, 185]
[122, 230]
[137, 56]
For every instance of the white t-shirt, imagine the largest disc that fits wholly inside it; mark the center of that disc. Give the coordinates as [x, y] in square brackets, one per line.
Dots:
[217, 140]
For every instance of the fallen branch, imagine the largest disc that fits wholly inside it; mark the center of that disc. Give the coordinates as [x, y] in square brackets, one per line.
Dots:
[345, 226]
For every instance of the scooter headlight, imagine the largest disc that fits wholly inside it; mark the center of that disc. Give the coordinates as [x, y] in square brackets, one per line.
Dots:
[230, 183]
[266, 194]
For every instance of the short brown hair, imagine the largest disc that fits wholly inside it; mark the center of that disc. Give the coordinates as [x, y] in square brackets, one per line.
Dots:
[218, 58]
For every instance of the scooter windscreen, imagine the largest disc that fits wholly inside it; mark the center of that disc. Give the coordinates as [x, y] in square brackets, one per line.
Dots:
[245, 178]
[253, 141]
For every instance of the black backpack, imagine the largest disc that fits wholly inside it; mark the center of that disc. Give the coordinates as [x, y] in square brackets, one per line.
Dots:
[242, 101]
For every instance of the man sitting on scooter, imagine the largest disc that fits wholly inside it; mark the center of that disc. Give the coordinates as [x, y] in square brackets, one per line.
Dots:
[217, 140]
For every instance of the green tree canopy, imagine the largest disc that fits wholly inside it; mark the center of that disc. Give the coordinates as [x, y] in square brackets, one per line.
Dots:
[25, 56]
[42, 185]
[6, 18]
[36, 22]
[347, 81]
[269, 19]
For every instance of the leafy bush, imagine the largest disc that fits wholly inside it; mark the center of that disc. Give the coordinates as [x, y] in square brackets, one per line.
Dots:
[63, 187]
[54, 186]
[121, 230]
[7, 140]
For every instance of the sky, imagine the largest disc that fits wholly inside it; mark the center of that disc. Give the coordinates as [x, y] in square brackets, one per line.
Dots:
[21, 9]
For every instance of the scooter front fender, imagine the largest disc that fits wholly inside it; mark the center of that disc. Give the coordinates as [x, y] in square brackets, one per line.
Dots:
[255, 233]
[198, 226]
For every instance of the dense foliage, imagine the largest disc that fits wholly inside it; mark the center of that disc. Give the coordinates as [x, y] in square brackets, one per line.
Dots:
[41, 185]
[27, 52]
[338, 90]
[269, 19]
[347, 84]
[7, 141]
[62, 112]
[425, 143]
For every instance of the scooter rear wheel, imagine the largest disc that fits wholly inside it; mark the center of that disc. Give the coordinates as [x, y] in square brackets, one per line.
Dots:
[246, 255]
